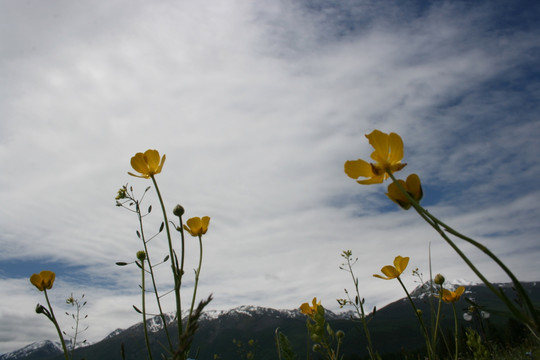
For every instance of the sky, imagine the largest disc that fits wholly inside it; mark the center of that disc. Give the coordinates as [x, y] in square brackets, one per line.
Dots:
[257, 106]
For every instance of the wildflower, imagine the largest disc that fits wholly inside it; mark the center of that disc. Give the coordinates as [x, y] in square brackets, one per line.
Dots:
[147, 164]
[452, 296]
[310, 310]
[43, 280]
[392, 272]
[439, 279]
[197, 226]
[412, 186]
[387, 155]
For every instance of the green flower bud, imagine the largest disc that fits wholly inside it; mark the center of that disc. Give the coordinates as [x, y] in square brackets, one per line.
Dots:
[141, 255]
[439, 279]
[178, 210]
[340, 334]
[39, 309]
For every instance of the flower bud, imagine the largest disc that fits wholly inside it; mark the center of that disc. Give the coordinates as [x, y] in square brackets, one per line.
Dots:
[439, 279]
[39, 309]
[419, 312]
[141, 255]
[178, 210]
[316, 348]
[340, 334]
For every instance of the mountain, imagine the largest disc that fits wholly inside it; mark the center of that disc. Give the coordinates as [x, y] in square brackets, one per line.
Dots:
[225, 334]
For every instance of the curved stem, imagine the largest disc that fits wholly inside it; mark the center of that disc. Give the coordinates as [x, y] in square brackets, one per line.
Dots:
[53, 319]
[424, 330]
[173, 265]
[455, 330]
[437, 224]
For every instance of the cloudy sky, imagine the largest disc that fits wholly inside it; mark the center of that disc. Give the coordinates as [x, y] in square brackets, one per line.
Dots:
[257, 105]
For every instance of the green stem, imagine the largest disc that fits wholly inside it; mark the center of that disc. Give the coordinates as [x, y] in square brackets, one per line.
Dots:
[455, 330]
[53, 319]
[145, 325]
[416, 312]
[161, 314]
[362, 314]
[437, 318]
[437, 224]
[173, 266]
[197, 273]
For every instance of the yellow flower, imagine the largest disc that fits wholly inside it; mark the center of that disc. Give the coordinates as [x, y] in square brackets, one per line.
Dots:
[387, 155]
[147, 164]
[392, 272]
[412, 186]
[43, 280]
[452, 296]
[197, 226]
[310, 310]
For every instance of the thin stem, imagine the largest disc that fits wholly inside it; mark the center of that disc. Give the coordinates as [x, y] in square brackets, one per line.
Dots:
[455, 330]
[437, 224]
[53, 319]
[197, 273]
[437, 318]
[161, 314]
[362, 314]
[426, 335]
[145, 325]
[173, 266]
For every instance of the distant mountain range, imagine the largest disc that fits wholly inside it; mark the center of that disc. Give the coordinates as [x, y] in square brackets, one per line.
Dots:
[224, 334]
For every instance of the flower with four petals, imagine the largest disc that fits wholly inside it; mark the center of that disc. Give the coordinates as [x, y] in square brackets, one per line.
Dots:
[147, 164]
[387, 155]
[43, 280]
[393, 272]
[197, 226]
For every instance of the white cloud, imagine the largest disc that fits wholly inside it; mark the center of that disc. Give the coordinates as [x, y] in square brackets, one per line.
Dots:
[257, 107]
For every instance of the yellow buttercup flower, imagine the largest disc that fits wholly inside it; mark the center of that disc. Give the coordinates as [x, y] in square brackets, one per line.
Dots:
[308, 310]
[452, 296]
[392, 272]
[147, 164]
[197, 226]
[412, 185]
[387, 155]
[43, 280]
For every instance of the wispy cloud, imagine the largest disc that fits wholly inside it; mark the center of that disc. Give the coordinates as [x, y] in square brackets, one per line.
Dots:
[257, 107]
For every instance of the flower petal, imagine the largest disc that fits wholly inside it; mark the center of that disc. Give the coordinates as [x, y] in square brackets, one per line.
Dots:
[204, 223]
[152, 159]
[358, 168]
[396, 148]
[379, 141]
[139, 164]
[390, 271]
[414, 187]
[402, 263]
[36, 280]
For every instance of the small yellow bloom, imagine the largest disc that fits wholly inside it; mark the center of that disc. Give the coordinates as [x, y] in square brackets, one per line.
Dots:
[43, 280]
[392, 272]
[147, 164]
[310, 310]
[387, 155]
[412, 186]
[452, 296]
[197, 226]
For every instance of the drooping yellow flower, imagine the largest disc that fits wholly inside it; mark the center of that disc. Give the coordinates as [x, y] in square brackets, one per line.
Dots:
[43, 280]
[147, 164]
[308, 310]
[452, 296]
[197, 226]
[412, 185]
[392, 272]
[387, 155]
